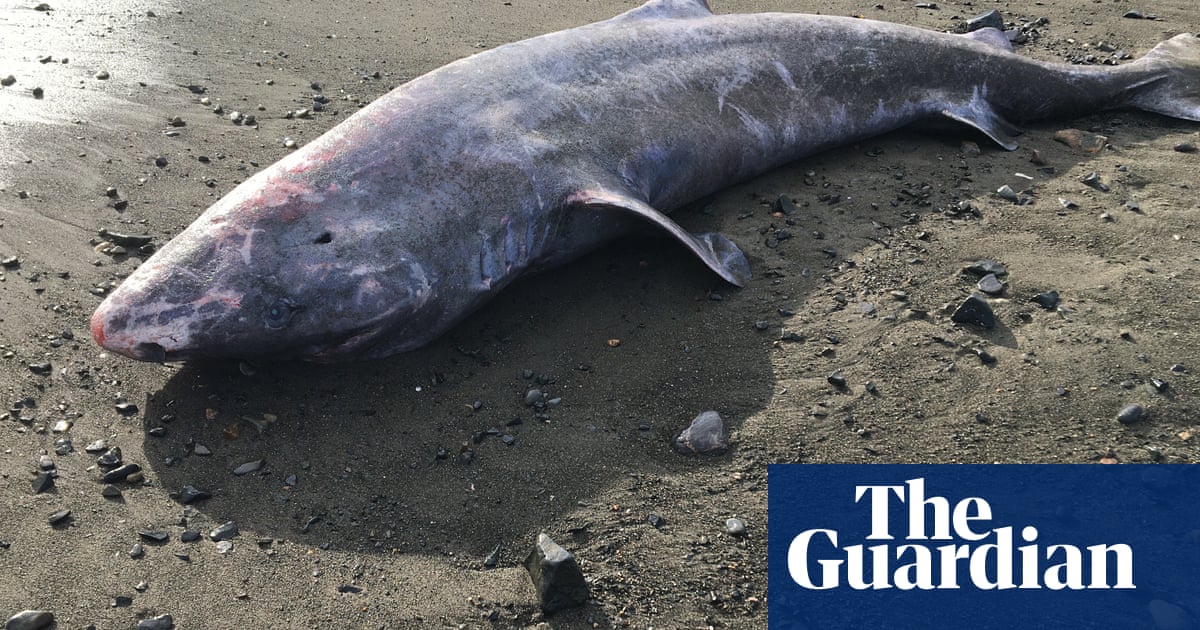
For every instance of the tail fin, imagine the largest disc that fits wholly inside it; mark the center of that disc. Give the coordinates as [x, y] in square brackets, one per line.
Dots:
[1175, 89]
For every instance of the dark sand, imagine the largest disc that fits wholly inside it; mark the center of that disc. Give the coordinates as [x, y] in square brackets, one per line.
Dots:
[409, 532]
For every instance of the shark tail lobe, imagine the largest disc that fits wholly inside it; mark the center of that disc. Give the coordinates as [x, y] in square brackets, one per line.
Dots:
[1172, 87]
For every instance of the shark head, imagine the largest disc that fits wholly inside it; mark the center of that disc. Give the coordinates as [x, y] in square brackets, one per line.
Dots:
[279, 268]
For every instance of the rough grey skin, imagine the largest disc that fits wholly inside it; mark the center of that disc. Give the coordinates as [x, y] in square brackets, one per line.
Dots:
[381, 234]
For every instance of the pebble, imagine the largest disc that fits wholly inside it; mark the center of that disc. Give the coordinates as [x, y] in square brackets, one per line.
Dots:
[556, 576]
[532, 397]
[62, 426]
[990, 284]
[8, 80]
[1186, 147]
[58, 517]
[975, 310]
[1006, 192]
[225, 531]
[991, 19]
[224, 547]
[161, 622]
[154, 536]
[201, 450]
[705, 435]
[191, 494]
[96, 446]
[1077, 139]
[656, 521]
[124, 408]
[1131, 414]
[103, 75]
[30, 620]
[1048, 300]
[1093, 179]
[43, 482]
[984, 267]
[493, 558]
[121, 473]
[837, 379]
[110, 459]
[111, 492]
[248, 467]
[45, 462]
[137, 551]
[189, 535]
[735, 527]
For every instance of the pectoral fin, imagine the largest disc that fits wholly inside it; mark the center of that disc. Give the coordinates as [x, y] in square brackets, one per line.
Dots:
[980, 115]
[715, 250]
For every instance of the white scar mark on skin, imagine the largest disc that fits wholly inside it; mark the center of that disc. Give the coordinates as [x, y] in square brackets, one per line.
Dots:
[785, 75]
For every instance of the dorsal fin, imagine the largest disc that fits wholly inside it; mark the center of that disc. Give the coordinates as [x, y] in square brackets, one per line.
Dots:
[667, 9]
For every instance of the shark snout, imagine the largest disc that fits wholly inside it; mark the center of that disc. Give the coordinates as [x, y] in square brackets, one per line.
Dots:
[110, 326]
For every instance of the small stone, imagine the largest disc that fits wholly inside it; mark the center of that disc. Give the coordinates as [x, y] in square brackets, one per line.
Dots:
[189, 535]
[110, 459]
[705, 435]
[161, 622]
[201, 450]
[110, 491]
[154, 536]
[30, 620]
[224, 547]
[990, 284]
[137, 551]
[735, 527]
[837, 379]
[95, 446]
[45, 462]
[225, 531]
[991, 19]
[59, 517]
[493, 558]
[61, 426]
[1186, 147]
[556, 576]
[190, 494]
[1158, 385]
[248, 467]
[1007, 193]
[976, 311]
[1048, 300]
[1093, 180]
[103, 75]
[1082, 140]
[8, 80]
[1131, 414]
[120, 473]
[656, 521]
[533, 397]
[43, 482]
[126, 408]
[41, 369]
[63, 446]
[983, 267]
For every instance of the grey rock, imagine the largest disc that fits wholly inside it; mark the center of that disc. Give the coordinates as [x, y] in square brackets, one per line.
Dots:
[991, 19]
[248, 467]
[1048, 300]
[975, 310]
[192, 494]
[225, 531]
[990, 284]
[556, 576]
[161, 622]
[42, 482]
[735, 527]
[1131, 414]
[29, 620]
[706, 434]
[120, 473]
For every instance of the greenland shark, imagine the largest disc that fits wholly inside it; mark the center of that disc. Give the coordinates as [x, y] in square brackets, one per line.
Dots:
[381, 234]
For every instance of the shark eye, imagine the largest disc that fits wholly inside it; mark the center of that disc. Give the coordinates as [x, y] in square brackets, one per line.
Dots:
[279, 313]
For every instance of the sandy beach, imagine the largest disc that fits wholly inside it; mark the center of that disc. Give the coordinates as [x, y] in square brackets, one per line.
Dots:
[369, 495]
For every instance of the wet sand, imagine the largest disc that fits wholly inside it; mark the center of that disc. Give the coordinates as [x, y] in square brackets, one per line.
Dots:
[355, 521]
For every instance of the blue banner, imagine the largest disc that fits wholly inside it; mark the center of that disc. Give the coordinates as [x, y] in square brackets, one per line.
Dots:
[984, 546]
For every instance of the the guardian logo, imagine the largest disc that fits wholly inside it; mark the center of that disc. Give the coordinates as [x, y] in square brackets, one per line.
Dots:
[949, 546]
